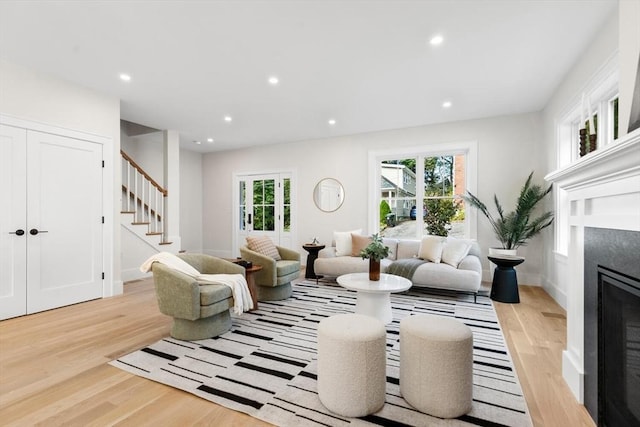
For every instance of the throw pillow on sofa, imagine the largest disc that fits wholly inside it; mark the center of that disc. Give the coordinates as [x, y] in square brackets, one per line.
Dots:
[431, 248]
[358, 243]
[343, 242]
[454, 251]
[263, 245]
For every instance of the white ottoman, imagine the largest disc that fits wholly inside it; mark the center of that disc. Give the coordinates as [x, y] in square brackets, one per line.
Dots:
[436, 365]
[352, 364]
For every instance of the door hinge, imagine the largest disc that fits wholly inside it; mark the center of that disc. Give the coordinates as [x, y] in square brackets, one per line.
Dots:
[103, 163]
[103, 275]
[103, 220]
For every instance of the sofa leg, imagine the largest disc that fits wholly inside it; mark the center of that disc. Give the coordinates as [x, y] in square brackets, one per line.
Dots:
[475, 297]
[200, 329]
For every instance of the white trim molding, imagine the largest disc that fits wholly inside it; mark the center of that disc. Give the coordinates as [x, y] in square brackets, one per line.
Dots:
[603, 191]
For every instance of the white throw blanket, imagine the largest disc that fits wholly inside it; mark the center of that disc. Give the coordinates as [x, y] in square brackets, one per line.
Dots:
[237, 282]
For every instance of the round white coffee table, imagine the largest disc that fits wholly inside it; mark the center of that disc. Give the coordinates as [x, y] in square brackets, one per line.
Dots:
[373, 298]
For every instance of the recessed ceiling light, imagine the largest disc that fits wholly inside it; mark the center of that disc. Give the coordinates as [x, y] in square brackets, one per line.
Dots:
[332, 122]
[446, 104]
[436, 40]
[273, 80]
[209, 140]
[125, 77]
[228, 118]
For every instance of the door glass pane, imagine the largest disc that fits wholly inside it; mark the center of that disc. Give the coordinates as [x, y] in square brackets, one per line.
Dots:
[258, 218]
[242, 221]
[269, 218]
[269, 192]
[258, 192]
[286, 205]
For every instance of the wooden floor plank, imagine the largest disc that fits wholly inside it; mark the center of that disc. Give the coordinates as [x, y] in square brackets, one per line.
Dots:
[53, 365]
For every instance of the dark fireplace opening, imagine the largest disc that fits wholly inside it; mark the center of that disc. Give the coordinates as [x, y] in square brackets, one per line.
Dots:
[618, 349]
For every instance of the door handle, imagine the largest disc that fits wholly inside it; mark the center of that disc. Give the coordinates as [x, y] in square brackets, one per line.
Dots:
[18, 232]
[35, 231]
[249, 220]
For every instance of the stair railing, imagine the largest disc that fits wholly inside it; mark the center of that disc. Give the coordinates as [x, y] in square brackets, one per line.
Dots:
[147, 196]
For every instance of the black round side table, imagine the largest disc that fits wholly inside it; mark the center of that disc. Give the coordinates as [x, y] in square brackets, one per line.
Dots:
[313, 250]
[505, 281]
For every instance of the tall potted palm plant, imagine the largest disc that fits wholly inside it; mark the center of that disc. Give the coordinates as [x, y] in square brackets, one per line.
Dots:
[515, 228]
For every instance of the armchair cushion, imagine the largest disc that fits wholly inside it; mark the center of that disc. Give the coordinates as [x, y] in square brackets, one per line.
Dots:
[286, 267]
[264, 246]
[211, 294]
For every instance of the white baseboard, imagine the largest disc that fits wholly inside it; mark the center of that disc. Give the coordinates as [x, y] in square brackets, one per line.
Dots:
[555, 292]
[573, 375]
[133, 274]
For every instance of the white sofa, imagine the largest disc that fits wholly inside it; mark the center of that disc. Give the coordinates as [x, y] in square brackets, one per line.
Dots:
[465, 277]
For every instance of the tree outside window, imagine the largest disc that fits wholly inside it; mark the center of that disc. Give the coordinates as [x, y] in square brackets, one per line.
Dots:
[438, 181]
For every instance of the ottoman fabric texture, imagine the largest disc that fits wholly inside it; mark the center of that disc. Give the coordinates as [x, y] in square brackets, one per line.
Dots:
[352, 362]
[436, 365]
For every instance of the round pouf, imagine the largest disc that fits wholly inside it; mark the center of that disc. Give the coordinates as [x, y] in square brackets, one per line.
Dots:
[352, 363]
[436, 365]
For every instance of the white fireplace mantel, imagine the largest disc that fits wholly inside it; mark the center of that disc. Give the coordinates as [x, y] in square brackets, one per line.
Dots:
[603, 191]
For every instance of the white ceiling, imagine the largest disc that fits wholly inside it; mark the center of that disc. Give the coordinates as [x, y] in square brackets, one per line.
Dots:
[367, 64]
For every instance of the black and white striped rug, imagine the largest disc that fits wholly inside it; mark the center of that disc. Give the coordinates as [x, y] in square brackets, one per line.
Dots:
[265, 366]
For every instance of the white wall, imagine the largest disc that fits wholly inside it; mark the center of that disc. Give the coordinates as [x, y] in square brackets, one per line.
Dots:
[509, 148]
[146, 151]
[600, 50]
[191, 211]
[33, 96]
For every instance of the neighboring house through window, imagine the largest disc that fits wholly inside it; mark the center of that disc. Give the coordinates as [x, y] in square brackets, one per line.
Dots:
[419, 187]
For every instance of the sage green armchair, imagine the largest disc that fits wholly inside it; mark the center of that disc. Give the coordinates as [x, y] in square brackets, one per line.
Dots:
[274, 280]
[198, 311]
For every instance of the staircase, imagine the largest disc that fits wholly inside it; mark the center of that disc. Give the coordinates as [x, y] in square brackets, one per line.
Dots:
[143, 205]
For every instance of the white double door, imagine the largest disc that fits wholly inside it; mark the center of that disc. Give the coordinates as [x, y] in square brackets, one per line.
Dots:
[264, 207]
[50, 221]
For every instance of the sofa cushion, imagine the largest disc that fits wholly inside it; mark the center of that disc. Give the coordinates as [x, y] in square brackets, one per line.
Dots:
[358, 243]
[264, 246]
[393, 247]
[454, 251]
[431, 248]
[408, 248]
[343, 241]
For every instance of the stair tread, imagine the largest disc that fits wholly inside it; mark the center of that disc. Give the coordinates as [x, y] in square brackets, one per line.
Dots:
[165, 243]
[128, 212]
[155, 233]
[140, 223]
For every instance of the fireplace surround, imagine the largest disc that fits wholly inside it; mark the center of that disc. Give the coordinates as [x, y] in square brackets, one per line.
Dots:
[612, 325]
[600, 191]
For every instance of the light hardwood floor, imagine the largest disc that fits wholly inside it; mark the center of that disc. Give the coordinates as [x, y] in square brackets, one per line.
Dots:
[53, 366]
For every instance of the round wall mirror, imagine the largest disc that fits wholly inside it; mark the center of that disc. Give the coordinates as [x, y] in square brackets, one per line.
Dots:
[328, 195]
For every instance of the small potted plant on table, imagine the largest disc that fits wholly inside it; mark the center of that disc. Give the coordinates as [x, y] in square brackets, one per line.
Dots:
[375, 251]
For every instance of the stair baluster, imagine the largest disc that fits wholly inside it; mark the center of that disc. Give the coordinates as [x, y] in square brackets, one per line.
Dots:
[148, 197]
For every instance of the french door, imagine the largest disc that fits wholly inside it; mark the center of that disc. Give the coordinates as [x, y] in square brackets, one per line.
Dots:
[50, 221]
[264, 207]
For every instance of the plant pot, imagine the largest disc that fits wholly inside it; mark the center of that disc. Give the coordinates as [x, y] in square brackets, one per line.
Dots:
[374, 269]
[498, 252]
